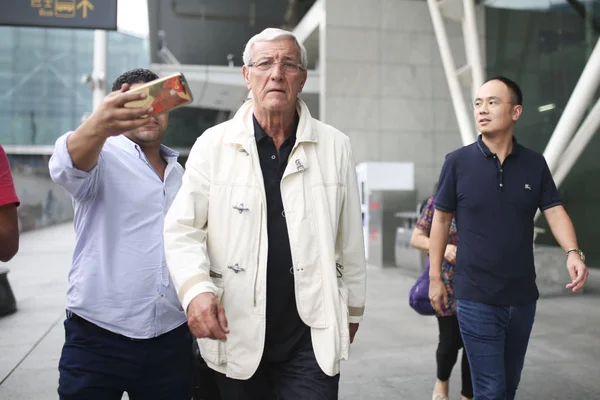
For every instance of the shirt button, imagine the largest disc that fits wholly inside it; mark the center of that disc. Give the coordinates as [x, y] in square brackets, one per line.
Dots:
[273, 157]
[501, 185]
[283, 214]
[164, 264]
[501, 170]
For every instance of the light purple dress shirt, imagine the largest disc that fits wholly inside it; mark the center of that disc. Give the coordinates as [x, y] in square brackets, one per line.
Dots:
[119, 278]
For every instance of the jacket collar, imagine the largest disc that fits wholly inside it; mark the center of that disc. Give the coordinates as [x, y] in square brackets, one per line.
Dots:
[244, 125]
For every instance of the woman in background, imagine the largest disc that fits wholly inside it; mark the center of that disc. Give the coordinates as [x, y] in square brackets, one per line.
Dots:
[450, 340]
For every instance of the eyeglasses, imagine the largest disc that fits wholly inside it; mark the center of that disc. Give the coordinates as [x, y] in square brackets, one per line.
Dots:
[491, 103]
[286, 67]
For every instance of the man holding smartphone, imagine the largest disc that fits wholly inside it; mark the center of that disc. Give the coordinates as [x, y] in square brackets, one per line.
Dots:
[125, 328]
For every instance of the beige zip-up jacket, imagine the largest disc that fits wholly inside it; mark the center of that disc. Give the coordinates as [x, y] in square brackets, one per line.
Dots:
[216, 238]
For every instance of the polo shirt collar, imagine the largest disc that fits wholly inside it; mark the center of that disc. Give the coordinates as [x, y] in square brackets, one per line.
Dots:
[488, 153]
[259, 132]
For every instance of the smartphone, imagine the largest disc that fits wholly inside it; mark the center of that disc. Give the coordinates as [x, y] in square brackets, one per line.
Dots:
[163, 94]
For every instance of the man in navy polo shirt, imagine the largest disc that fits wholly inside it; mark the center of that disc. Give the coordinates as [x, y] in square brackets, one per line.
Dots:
[495, 186]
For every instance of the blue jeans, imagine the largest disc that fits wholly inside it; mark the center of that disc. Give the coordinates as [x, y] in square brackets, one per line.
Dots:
[96, 364]
[496, 339]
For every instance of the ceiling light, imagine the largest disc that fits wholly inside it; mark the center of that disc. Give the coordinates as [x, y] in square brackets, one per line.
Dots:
[547, 107]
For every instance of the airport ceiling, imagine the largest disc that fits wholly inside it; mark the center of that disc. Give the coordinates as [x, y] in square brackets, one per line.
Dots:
[207, 32]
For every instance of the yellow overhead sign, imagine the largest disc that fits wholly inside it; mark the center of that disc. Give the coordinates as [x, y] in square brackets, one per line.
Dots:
[83, 14]
[85, 5]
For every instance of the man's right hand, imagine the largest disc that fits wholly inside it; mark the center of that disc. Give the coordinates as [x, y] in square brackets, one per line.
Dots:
[206, 317]
[112, 118]
[438, 295]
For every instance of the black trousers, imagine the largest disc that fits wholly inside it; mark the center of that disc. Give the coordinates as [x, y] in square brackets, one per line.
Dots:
[205, 385]
[96, 364]
[449, 344]
[297, 378]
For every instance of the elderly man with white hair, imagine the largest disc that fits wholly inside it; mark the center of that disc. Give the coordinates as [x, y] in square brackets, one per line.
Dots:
[264, 239]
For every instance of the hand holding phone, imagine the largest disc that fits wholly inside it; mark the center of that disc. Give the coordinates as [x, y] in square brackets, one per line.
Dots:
[163, 95]
[112, 119]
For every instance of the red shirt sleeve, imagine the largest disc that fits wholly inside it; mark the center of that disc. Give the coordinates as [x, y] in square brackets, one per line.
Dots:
[8, 195]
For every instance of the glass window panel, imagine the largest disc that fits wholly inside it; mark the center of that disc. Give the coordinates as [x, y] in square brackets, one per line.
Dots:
[545, 51]
[41, 94]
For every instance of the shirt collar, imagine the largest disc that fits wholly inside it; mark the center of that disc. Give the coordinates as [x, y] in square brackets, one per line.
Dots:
[168, 154]
[259, 132]
[488, 153]
[127, 145]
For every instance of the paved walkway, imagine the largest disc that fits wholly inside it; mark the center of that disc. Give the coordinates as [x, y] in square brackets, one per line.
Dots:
[392, 358]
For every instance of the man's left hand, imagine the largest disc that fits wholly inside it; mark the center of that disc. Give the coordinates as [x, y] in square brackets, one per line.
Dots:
[353, 329]
[577, 271]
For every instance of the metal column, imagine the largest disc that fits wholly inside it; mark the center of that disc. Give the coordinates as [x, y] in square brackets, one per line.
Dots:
[580, 99]
[98, 78]
[471, 38]
[559, 162]
[583, 136]
[464, 11]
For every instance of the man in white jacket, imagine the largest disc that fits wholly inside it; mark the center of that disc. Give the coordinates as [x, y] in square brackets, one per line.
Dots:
[264, 239]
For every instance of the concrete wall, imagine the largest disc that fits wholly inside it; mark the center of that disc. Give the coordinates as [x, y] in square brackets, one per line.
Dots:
[43, 202]
[383, 83]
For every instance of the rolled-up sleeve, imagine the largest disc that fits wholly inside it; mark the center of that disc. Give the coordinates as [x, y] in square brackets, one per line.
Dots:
[185, 230]
[80, 184]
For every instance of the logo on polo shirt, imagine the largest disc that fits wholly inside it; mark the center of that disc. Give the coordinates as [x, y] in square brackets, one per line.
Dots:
[527, 187]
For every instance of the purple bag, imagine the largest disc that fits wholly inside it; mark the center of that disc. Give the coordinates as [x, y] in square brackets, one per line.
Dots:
[418, 297]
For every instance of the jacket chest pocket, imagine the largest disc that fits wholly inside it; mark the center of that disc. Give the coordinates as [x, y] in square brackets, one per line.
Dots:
[332, 194]
[238, 210]
[235, 201]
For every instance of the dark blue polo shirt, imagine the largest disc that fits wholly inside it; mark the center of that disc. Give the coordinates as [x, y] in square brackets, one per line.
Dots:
[494, 206]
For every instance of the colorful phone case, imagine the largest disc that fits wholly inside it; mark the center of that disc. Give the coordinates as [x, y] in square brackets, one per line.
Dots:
[164, 94]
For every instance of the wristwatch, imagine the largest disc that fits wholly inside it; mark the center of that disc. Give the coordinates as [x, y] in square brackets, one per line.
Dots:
[578, 252]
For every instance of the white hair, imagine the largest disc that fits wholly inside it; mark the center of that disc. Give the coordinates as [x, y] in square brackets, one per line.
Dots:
[271, 34]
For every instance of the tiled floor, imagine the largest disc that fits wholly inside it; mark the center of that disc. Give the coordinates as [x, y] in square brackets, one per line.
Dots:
[392, 358]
